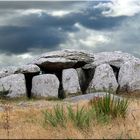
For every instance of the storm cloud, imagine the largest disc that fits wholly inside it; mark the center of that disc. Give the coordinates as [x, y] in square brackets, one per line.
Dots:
[29, 28]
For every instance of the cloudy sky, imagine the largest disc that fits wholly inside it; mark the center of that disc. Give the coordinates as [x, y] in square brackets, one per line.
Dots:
[28, 29]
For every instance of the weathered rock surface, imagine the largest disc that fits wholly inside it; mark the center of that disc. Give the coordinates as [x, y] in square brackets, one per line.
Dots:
[45, 85]
[104, 79]
[90, 96]
[7, 71]
[85, 77]
[13, 86]
[64, 59]
[70, 72]
[70, 82]
[116, 58]
[28, 69]
[129, 77]
[20, 69]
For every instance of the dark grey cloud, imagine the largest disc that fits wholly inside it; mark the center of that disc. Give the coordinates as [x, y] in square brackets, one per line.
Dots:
[38, 4]
[47, 31]
[98, 21]
[21, 39]
[33, 31]
[26, 27]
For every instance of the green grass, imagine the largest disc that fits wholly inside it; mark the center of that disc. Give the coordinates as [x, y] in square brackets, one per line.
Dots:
[101, 109]
[56, 117]
[81, 117]
[110, 106]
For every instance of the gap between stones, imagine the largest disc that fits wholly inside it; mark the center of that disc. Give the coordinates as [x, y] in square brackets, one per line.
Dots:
[28, 80]
[116, 71]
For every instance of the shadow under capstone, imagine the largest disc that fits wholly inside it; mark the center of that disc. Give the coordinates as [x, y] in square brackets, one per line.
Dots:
[28, 79]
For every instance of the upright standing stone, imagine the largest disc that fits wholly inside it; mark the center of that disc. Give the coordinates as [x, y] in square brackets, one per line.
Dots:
[129, 77]
[13, 86]
[70, 82]
[103, 80]
[45, 85]
[6, 71]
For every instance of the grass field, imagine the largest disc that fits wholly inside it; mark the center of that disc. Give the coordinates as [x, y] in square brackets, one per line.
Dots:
[25, 120]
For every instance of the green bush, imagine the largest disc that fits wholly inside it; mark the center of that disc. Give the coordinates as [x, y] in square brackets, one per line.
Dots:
[110, 106]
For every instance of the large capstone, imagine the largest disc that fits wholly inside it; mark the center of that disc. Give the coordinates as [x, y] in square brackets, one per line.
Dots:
[116, 59]
[13, 86]
[129, 77]
[64, 59]
[45, 85]
[103, 80]
[70, 82]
